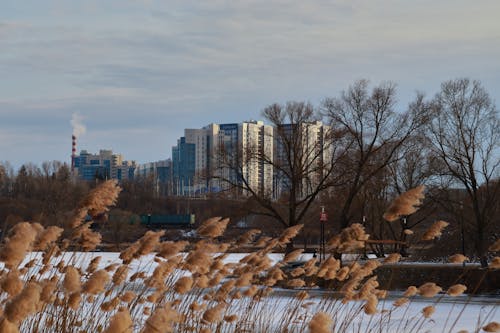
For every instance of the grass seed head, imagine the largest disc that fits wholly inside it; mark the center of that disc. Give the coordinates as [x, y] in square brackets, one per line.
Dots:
[121, 322]
[405, 204]
[428, 311]
[456, 289]
[321, 323]
[435, 230]
[457, 258]
[492, 327]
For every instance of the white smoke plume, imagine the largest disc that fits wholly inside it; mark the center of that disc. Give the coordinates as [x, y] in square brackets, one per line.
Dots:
[78, 127]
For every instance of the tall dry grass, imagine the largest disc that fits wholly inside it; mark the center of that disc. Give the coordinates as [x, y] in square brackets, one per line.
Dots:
[193, 288]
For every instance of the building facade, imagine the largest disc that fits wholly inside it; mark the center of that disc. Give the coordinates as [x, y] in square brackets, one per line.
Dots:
[104, 165]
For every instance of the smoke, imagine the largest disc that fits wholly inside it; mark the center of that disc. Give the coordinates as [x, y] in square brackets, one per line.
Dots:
[78, 127]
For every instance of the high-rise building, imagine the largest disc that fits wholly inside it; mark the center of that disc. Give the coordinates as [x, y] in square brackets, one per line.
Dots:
[104, 165]
[309, 142]
[160, 173]
[223, 155]
[183, 168]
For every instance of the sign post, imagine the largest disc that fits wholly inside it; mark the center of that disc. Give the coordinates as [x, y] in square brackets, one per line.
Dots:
[322, 220]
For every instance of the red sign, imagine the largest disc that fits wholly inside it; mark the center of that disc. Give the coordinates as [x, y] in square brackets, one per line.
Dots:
[323, 217]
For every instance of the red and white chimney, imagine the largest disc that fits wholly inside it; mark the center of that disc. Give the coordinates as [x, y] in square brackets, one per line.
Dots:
[73, 152]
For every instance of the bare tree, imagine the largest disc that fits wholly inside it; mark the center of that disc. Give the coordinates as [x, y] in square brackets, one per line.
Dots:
[374, 133]
[302, 163]
[465, 135]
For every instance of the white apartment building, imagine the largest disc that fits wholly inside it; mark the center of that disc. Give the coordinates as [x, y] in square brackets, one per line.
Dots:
[227, 153]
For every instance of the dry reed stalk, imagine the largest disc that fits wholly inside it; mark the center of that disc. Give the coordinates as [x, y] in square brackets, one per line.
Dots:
[405, 204]
[297, 272]
[86, 238]
[198, 261]
[8, 327]
[74, 300]
[11, 283]
[495, 247]
[72, 281]
[247, 237]
[195, 306]
[121, 322]
[429, 289]
[295, 283]
[213, 227]
[214, 314]
[183, 284]
[370, 307]
[170, 249]
[410, 291]
[302, 295]
[291, 256]
[244, 280]
[428, 311]
[110, 305]
[400, 301]
[23, 304]
[251, 291]
[495, 263]
[328, 268]
[17, 244]
[321, 323]
[456, 289]
[492, 327]
[231, 318]
[289, 233]
[100, 198]
[46, 237]
[457, 258]
[161, 320]
[392, 258]
[49, 288]
[120, 275]
[96, 282]
[128, 296]
[350, 238]
[93, 265]
[263, 241]
[435, 230]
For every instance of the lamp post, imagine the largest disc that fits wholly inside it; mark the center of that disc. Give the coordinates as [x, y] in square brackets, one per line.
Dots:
[322, 220]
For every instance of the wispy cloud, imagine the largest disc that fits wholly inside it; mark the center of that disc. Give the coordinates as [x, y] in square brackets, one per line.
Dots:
[150, 64]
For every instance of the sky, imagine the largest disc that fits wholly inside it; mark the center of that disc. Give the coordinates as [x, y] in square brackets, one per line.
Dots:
[131, 75]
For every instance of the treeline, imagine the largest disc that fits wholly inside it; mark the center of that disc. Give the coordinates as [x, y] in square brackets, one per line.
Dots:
[449, 143]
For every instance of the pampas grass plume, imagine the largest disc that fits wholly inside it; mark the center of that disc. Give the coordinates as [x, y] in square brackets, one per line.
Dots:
[183, 285]
[19, 242]
[435, 230]
[321, 323]
[457, 258]
[72, 282]
[121, 322]
[405, 204]
[495, 263]
[456, 289]
[429, 289]
[392, 258]
[24, 304]
[492, 327]
[428, 311]
[96, 282]
[11, 283]
[495, 247]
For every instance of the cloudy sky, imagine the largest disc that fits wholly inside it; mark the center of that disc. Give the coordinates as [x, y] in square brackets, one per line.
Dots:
[136, 73]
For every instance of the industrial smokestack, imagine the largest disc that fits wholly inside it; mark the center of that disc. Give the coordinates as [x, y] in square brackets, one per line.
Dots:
[73, 152]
